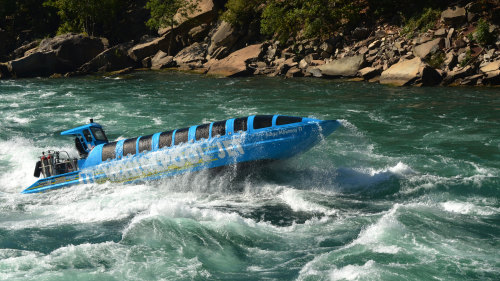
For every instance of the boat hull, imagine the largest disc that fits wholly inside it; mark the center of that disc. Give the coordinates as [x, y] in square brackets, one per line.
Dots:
[279, 142]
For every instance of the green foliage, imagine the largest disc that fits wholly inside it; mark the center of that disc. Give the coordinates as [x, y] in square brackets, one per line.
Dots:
[87, 16]
[312, 18]
[436, 60]
[421, 23]
[483, 35]
[163, 12]
[467, 59]
[240, 12]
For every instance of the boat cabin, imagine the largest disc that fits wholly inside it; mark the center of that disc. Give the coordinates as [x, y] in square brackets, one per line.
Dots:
[87, 137]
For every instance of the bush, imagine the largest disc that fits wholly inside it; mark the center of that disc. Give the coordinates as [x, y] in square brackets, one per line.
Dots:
[483, 35]
[422, 23]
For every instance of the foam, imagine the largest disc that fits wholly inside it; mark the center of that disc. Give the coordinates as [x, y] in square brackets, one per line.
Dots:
[467, 208]
[355, 272]
[295, 200]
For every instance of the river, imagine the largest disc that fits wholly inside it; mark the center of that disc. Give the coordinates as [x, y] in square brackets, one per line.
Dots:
[406, 189]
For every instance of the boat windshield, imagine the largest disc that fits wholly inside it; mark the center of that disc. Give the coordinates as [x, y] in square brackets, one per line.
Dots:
[99, 134]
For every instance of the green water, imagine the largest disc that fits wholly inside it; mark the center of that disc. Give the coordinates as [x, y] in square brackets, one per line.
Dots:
[406, 189]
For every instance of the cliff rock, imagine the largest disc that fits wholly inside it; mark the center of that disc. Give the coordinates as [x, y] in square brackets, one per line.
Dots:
[236, 63]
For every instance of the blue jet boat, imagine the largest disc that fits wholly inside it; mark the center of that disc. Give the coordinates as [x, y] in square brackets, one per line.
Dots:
[165, 154]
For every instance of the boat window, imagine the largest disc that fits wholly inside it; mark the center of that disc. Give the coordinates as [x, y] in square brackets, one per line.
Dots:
[87, 135]
[181, 136]
[219, 128]
[165, 139]
[99, 134]
[202, 131]
[145, 143]
[129, 147]
[262, 121]
[240, 124]
[108, 151]
[284, 120]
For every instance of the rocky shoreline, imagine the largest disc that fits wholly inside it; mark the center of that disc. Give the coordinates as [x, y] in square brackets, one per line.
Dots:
[445, 55]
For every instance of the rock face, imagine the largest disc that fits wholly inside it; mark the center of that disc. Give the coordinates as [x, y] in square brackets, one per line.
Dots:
[454, 16]
[222, 40]
[429, 48]
[205, 12]
[192, 54]
[112, 59]
[236, 63]
[410, 72]
[162, 60]
[61, 54]
[347, 66]
[141, 51]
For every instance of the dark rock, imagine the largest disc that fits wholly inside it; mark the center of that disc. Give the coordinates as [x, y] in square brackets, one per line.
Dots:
[326, 47]
[454, 16]
[458, 73]
[146, 62]
[450, 61]
[162, 60]
[294, 72]
[492, 78]
[360, 33]
[471, 80]
[347, 66]
[192, 54]
[369, 72]
[459, 43]
[148, 49]
[61, 54]
[114, 58]
[197, 33]
[20, 52]
[206, 12]
[4, 71]
[225, 36]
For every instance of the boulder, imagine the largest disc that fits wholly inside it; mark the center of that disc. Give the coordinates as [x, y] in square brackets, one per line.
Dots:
[294, 72]
[440, 32]
[458, 73]
[223, 37]
[20, 52]
[454, 15]
[410, 72]
[492, 78]
[162, 60]
[451, 60]
[205, 12]
[192, 54]
[61, 54]
[369, 72]
[112, 59]
[143, 50]
[360, 33]
[492, 66]
[429, 48]
[236, 63]
[347, 66]
[4, 71]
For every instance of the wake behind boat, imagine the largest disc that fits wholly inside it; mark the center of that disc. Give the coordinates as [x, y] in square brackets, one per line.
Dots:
[164, 154]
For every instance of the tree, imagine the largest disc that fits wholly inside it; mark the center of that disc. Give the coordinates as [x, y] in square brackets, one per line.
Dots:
[86, 16]
[168, 13]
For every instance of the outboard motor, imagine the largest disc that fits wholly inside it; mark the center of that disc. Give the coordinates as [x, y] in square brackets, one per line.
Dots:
[52, 164]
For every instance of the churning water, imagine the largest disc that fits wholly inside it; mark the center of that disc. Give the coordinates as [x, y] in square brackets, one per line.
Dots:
[406, 189]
